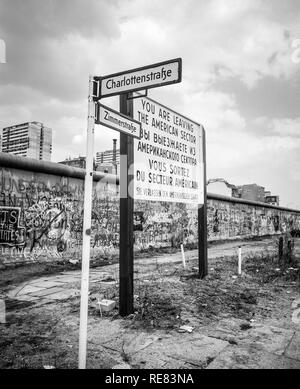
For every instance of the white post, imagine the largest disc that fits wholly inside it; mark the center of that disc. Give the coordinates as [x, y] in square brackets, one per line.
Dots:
[2, 312]
[183, 256]
[240, 261]
[86, 239]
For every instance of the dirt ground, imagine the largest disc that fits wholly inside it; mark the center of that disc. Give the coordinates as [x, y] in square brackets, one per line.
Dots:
[223, 307]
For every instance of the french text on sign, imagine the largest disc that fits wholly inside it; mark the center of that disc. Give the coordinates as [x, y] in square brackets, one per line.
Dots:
[117, 121]
[168, 158]
[151, 76]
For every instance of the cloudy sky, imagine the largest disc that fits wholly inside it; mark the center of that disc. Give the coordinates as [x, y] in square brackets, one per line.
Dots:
[241, 75]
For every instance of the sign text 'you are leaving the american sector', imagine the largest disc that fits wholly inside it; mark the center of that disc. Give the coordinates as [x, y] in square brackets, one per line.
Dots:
[168, 164]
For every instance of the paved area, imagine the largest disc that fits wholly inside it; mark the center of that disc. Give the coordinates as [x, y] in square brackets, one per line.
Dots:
[266, 345]
[260, 347]
[67, 284]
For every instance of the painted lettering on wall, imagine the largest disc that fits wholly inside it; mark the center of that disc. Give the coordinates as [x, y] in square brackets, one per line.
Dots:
[41, 219]
[10, 232]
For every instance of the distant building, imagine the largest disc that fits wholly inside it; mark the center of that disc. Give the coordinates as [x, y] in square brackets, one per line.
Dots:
[251, 192]
[272, 200]
[75, 162]
[220, 186]
[79, 162]
[106, 169]
[31, 140]
[109, 161]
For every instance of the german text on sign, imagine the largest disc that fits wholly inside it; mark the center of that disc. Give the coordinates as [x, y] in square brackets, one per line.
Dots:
[151, 76]
[117, 121]
[168, 158]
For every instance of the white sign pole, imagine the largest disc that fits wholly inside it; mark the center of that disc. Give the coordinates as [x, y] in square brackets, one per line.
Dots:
[240, 261]
[183, 256]
[87, 218]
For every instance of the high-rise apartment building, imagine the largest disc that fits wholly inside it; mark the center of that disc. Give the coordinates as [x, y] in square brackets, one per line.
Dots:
[31, 140]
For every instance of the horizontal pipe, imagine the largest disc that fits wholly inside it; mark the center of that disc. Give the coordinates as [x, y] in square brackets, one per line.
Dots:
[212, 196]
[59, 169]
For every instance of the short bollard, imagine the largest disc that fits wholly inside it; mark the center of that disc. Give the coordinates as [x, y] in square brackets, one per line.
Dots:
[183, 256]
[2, 312]
[240, 261]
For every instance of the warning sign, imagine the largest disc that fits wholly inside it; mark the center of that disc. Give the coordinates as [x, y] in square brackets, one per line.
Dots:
[168, 161]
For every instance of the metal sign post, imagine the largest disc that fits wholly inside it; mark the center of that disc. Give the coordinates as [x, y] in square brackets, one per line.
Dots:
[202, 219]
[123, 84]
[87, 218]
[126, 214]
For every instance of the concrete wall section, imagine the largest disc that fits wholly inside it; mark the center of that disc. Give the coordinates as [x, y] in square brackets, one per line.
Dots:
[230, 218]
[41, 215]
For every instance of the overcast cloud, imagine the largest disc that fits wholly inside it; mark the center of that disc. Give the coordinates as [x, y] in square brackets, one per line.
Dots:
[239, 77]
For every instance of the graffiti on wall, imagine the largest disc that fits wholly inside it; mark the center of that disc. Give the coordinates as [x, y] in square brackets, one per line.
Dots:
[49, 217]
[227, 220]
[11, 234]
[166, 225]
[41, 218]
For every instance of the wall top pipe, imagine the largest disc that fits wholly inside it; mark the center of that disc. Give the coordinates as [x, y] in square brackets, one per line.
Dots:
[33, 165]
[235, 200]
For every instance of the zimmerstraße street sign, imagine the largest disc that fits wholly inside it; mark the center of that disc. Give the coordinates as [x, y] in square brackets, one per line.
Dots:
[117, 121]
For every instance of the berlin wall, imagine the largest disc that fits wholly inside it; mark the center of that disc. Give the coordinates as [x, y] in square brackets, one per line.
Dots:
[41, 215]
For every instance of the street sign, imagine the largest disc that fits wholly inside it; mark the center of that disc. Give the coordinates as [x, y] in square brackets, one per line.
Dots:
[151, 76]
[117, 121]
[166, 134]
[168, 159]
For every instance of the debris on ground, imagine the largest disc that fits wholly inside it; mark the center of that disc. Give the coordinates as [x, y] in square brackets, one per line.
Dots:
[245, 326]
[186, 329]
[106, 305]
[167, 300]
[296, 303]
[296, 316]
[74, 261]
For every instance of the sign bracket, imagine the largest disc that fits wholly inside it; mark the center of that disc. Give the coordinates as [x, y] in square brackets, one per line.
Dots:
[137, 96]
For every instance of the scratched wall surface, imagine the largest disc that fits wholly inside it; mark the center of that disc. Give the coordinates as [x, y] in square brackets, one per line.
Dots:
[41, 219]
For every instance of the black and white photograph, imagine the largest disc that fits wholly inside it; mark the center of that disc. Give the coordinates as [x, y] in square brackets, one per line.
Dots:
[149, 187]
